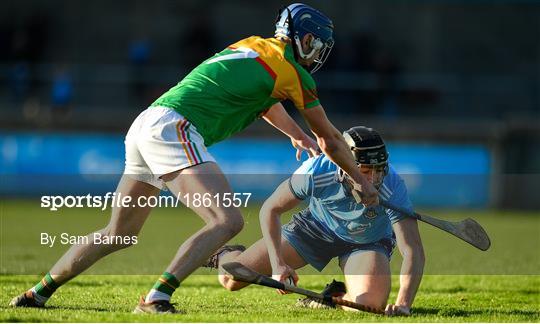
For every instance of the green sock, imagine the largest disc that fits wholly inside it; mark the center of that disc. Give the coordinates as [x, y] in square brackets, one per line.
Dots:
[46, 287]
[166, 284]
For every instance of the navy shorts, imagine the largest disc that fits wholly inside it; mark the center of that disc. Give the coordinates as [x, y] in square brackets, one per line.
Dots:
[317, 245]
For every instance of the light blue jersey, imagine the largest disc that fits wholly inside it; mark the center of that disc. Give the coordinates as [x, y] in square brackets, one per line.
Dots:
[339, 213]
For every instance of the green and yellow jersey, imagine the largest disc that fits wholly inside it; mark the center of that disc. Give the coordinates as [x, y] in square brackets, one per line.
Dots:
[228, 91]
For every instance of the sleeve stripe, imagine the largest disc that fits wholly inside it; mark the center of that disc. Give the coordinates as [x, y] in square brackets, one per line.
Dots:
[324, 183]
[323, 180]
[313, 104]
[384, 195]
[310, 95]
[324, 175]
[385, 189]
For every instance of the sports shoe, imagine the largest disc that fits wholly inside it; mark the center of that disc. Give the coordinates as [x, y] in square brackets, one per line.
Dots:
[25, 300]
[155, 307]
[213, 260]
[333, 289]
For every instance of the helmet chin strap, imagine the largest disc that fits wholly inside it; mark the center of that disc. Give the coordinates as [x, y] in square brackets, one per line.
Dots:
[316, 44]
[351, 187]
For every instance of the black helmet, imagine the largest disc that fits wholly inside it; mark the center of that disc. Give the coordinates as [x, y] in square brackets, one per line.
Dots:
[366, 145]
[368, 148]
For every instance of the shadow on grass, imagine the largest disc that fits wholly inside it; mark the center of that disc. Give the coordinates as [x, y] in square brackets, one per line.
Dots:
[25, 320]
[457, 312]
[58, 308]
[518, 312]
[450, 290]
[81, 308]
[425, 311]
[70, 308]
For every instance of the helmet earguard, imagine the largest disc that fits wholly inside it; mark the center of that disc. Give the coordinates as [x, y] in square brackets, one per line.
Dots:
[297, 20]
[368, 148]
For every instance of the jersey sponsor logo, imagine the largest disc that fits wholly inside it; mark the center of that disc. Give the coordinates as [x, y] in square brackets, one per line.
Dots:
[239, 54]
[357, 228]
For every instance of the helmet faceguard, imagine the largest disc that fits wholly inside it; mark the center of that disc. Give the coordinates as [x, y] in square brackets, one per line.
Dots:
[297, 20]
[368, 149]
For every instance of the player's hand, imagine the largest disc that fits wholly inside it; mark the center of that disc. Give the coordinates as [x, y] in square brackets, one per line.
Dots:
[284, 273]
[307, 144]
[396, 310]
[369, 196]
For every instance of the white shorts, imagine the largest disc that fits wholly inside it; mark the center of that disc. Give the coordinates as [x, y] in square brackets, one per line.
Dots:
[161, 141]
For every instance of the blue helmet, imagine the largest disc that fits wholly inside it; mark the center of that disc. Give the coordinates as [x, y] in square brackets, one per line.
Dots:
[297, 20]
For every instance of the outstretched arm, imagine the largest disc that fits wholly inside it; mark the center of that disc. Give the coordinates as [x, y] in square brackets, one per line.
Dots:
[412, 268]
[334, 146]
[278, 117]
[279, 202]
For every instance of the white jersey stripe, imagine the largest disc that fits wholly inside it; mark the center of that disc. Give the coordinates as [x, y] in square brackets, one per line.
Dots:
[243, 53]
[324, 183]
[324, 175]
[386, 190]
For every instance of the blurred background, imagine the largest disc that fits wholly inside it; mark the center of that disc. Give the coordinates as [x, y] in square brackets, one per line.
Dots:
[453, 86]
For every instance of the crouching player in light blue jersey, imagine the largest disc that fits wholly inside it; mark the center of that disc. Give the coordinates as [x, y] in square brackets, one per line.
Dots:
[334, 225]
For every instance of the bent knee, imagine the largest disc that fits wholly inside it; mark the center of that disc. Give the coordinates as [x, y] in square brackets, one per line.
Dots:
[232, 222]
[230, 284]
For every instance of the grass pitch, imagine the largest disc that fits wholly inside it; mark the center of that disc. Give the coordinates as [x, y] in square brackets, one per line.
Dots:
[110, 298]
[461, 284]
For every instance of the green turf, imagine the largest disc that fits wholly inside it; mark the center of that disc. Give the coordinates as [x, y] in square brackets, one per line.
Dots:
[111, 298]
[462, 284]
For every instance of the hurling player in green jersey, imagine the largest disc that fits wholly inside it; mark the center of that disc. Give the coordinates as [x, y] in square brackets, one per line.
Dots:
[166, 146]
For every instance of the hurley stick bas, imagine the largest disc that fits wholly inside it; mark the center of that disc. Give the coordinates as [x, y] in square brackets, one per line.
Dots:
[468, 229]
[239, 272]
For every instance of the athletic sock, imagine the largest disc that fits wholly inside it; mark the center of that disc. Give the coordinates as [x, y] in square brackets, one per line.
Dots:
[44, 289]
[163, 288]
[220, 255]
